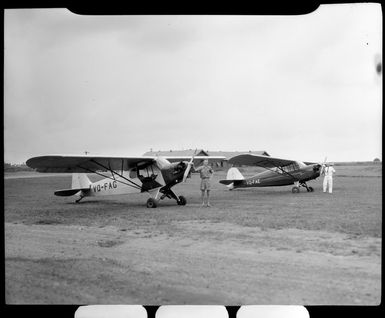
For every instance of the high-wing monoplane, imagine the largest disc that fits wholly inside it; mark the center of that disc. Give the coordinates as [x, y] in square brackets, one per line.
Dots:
[122, 175]
[280, 172]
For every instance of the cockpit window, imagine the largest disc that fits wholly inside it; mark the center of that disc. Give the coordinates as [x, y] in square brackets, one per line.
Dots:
[290, 167]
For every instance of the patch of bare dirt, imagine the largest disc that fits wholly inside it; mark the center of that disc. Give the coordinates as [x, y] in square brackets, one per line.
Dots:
[198, 263]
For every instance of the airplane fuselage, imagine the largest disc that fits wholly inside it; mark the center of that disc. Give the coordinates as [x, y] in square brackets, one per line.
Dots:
[149, 179]
[279, 178]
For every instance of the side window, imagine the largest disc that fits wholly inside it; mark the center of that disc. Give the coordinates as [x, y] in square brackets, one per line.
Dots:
[291, 167]
[146, 172]
[133, 174]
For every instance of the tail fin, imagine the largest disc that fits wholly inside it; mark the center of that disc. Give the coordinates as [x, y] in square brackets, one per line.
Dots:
[233, 175]
[80, 181]
[80, 184]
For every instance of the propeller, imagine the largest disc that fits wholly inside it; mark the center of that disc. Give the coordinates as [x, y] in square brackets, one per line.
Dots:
[324, 163]
[320, 165]
[189, 165]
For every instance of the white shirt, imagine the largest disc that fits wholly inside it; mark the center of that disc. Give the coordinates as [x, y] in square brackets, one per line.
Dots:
[328, 171]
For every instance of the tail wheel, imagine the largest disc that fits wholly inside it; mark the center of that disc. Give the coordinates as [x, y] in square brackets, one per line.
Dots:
[151, 203]
[310, 189]
[295, 190]
[182, 200]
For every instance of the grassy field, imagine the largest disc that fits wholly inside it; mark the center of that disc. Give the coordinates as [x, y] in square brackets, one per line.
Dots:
[354, 207]
[253, 246]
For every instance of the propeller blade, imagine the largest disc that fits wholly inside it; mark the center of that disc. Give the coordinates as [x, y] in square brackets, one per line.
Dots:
[189, 165]
[187, 171]
[322, 164]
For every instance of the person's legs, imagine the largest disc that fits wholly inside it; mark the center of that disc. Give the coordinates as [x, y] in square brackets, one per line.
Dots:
[325, 184]
[330, 185]
[208, 197]
[203, 188]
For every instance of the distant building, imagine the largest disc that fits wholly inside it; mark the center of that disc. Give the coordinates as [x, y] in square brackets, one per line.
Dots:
[187, 152]
[229, 154]
[376, 160]
[200, 152]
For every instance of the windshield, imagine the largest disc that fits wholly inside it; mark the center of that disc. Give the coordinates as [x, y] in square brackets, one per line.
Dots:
[162, 163]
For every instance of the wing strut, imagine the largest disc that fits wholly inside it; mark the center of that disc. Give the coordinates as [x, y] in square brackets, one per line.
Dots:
[131, 183]
[289, 174]
[283, 171]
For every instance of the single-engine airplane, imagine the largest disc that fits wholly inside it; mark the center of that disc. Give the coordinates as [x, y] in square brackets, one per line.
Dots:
[122, 175]
[281, 172]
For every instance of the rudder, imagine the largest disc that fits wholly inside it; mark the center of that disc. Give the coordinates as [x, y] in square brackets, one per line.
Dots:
[234, 177]
[234, 174]
[80, 181]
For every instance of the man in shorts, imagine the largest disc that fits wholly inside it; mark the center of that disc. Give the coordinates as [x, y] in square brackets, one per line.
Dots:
[206, 173]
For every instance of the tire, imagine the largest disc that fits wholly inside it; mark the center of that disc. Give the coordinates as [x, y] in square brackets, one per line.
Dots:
[151, 203]
[295, 190]
[182, 200]
[311, 189]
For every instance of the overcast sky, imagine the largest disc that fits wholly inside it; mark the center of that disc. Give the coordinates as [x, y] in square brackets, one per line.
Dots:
[300, 87]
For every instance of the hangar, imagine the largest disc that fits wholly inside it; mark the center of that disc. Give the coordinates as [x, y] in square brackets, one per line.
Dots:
[200, 152]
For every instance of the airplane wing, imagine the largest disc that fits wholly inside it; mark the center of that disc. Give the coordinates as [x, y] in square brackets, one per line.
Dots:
[82, 164]
[196, 158]
[260, 161]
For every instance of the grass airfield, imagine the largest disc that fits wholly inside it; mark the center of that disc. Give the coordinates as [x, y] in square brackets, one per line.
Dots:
[253, 246]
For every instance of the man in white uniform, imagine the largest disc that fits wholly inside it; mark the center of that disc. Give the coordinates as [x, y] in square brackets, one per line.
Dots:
[328, 171]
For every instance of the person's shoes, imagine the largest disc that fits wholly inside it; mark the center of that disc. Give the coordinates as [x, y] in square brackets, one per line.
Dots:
[208, 205]
[203, 204]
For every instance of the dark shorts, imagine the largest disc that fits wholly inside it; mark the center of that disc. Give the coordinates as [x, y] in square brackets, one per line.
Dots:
[205, 184]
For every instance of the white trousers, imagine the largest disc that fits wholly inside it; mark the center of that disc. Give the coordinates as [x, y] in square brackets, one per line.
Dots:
[328, 183]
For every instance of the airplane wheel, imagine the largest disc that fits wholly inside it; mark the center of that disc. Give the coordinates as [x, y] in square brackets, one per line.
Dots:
[182, 200]
[151, 203]
[311, 189]
[295, 190]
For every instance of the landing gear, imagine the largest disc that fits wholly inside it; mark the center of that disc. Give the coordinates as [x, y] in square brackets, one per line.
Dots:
[78, 200]
[295, 189]
[308, 189]
[182, 200]
[151, 203]
[166, 193]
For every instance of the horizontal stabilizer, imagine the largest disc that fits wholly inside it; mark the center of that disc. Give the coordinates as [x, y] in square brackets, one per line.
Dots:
[69, 192]
[227, 182]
